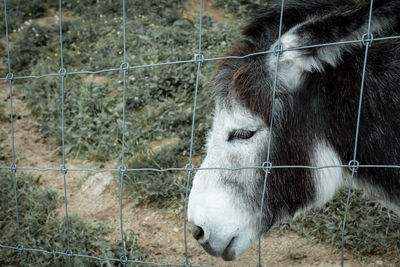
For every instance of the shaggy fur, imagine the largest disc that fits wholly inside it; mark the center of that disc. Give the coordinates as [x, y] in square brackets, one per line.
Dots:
[324, 106]
[317, 100]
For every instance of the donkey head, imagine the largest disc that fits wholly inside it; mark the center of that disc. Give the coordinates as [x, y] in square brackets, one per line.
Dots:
[224, 204]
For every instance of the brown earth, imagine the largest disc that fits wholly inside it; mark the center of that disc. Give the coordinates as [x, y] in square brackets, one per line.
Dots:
[161, 233]
[192, 10]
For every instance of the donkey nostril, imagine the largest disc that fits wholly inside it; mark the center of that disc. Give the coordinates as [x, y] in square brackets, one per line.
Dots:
[197, 232]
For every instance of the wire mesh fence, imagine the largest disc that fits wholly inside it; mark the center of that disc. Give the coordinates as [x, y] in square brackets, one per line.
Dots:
[367, 40]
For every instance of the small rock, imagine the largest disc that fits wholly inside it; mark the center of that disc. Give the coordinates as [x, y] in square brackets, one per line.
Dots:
[297, 256]
[379, 262]
[176, 230]
[97, 183]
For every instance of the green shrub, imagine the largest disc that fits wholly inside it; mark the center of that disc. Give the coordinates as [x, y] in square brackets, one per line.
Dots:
[18, 12]
[371, 229]
[240, 8]
[159, 100]
[41, 229]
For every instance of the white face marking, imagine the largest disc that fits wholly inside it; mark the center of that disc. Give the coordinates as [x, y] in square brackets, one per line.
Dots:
[326, 180]
[219, 200]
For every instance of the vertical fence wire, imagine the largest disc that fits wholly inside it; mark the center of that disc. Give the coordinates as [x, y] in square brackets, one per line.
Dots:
[122, 168]
[354, 164]
[267, 164]
[62, 74]
[13, 166]
[199, 58]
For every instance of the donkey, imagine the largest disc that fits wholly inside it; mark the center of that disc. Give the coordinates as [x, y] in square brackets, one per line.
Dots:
[314, 122]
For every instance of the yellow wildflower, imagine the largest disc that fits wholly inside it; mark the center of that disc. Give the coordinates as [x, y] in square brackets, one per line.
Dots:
[56, 55]
[118, 33]
[48, 57]
[152, 25]
[78, 52]
[96, 52]
[120, 52]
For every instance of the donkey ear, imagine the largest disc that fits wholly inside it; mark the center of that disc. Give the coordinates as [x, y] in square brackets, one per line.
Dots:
[264, 23]
[343, 24]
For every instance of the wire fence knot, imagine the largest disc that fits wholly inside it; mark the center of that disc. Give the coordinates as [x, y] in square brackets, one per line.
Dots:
[10, 76]
[69, 253]
[278, 49]
[123, 259]
[63, 169]
[189, 167]
[198, 58]
[62, 72]
[354, 165]
[124, 66]
[267, 167]
[20, 248]
[13, 168]
[122, 169]
[186, 263]
[367, 39]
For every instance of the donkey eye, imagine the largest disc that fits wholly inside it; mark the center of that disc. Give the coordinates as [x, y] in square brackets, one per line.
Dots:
[240, 134]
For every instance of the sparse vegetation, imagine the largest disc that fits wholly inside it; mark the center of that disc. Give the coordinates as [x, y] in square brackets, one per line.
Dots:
[241, 8]
[41, 229]
[370, 229]
[159, 100]
[19, 12]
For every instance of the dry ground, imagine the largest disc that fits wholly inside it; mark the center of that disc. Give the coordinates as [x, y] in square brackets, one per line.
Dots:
[161, 234]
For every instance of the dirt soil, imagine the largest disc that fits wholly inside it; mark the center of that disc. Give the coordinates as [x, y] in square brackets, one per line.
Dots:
[192, 10]
[161, 234]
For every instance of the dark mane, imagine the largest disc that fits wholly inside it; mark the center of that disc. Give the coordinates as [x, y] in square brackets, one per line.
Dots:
[264, 22]
[337, 100]
[247, 79]
[324, 103]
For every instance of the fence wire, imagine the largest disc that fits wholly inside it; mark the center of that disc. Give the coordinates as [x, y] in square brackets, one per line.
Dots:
[199, 59]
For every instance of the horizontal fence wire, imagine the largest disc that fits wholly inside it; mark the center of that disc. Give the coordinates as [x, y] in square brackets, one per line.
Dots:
[266, 52]
[199, 59]
[345, 166]
[94, 257]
